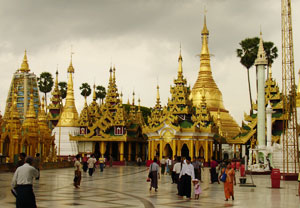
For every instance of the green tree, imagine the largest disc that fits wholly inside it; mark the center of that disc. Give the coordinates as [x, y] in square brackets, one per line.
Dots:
[45, 82]
[271, 53]
[63, 89]
[100, 93]
[85, 90]
[248, 53]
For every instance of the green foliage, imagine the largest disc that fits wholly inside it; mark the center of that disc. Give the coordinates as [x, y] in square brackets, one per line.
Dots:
[145, 111]
[45, 82]
[63, 89]
[248, 51]
[100, 92]
[85, 89]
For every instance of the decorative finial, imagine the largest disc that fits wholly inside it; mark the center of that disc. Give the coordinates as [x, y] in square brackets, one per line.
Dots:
[71, 68]
[205, 30]
[261, 55]
[24, 65]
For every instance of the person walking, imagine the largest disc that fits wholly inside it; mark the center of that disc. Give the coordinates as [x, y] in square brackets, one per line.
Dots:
[22, 183]
[101, 163]
[84, 163]
[186, 176]
[163, 165]
[78, 170]
[176, 170]
[37, 164]
[139, 161]
[110, 161]
[173, 173]
[154, 174]
[91, 164]
[213, 171]
[197, 170]
[229, 181]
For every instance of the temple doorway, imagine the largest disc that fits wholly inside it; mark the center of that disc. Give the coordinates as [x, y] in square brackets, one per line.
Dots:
[6, 147]
[157, 151]
[185, 151]
[201, 152]
[168, 151]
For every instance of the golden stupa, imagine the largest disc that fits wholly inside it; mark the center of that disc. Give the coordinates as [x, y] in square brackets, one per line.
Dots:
[207, 85]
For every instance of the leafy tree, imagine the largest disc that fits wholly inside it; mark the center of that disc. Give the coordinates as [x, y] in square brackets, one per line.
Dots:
[248, 53]
[100, 93]
[85, 90]
[63, 89]
[45, 83]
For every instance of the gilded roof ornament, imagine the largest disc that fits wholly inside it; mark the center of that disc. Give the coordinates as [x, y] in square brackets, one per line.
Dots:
[24, 65]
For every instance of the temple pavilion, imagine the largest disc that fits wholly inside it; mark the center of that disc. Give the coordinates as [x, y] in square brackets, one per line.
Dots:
[110, 129]
[25, 125]
[194, 122]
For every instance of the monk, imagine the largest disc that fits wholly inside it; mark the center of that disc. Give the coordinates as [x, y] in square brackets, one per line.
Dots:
[230, 181]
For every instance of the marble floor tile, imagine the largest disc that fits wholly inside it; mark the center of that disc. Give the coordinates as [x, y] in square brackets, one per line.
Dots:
[118, 187]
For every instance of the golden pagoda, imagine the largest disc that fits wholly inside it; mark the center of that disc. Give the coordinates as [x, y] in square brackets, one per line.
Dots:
[24, 81]
[69, 115]
[109, 129]
[22, 130]
[180, 128]
[55, 107]
[212, 93]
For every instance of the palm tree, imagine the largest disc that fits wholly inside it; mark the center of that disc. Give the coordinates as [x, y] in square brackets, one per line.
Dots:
[45, 82]
[100, 93]
[247, 54]
[271, 54]
[63, 89]
[85, 90]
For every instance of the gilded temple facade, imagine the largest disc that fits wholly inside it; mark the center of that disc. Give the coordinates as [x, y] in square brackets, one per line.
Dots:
[194, 123]
[110, 129]
[24, 125]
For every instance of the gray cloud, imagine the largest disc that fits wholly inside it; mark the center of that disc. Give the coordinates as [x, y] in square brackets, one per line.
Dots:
[141, 37]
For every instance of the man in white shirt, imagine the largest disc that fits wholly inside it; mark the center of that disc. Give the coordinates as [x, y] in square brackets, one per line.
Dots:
[22, 183]
[186, 176]
[91, 164]
[176, 170]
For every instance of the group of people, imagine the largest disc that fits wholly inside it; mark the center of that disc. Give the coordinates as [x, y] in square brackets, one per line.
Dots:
[27, 168]
[185, 172]
[88, 164]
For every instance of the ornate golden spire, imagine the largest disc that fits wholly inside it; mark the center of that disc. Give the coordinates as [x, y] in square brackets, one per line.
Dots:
[30, 112]
[71, 68]
[133, 94]
[121, 98]
[24, 65]
[157, 99]
[139, 107]
[205, 56]
[94, 93]
[270, 72]
[114, 76]
[69, 116]
[42, 115]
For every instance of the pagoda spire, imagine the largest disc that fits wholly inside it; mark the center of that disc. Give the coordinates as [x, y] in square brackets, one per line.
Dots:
[24, 65]
[13, 110]
[205, 56]
[94, 93]
[133, 94]
[42, 115]
[69, 116]
[31, 112]
[139, 107]
[158, 106]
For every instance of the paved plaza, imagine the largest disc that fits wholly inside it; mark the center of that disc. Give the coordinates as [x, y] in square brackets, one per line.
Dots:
[127, 187]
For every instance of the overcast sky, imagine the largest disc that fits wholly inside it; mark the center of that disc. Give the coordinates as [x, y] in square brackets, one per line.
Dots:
[141, 38]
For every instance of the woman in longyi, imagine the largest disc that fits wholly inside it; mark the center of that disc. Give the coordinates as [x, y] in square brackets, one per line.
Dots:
[229, 182]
